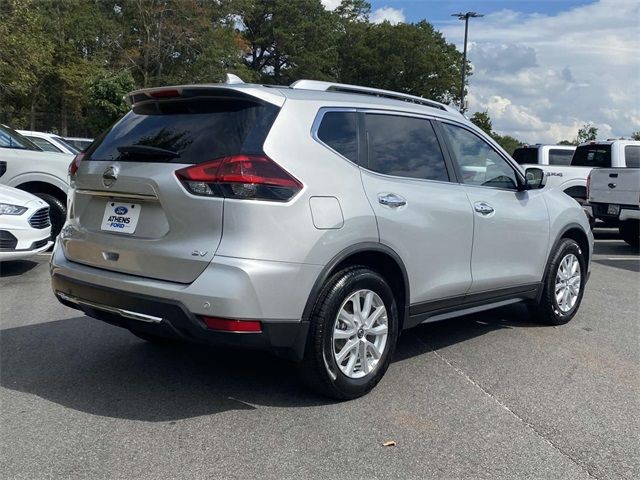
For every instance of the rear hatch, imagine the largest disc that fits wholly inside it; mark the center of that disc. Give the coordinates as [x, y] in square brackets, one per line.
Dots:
[130, 213]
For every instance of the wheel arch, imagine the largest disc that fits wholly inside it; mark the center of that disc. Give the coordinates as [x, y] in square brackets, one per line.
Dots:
[378, 257]
[43, 187]
[575, 232]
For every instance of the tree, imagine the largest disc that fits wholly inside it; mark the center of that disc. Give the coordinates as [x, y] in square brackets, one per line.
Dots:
[105, 97]
[410, 58]
[635, 135]
[507, 142]
[587, 133]
[483, 121]
[567, 142]
[289, 39]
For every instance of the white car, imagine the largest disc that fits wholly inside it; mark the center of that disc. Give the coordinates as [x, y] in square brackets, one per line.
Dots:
[25, 166]
[49, 142]
[25, 229]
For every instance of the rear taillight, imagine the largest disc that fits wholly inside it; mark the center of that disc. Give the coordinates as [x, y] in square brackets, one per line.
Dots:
[588, 184]
[75, 164]
[255, 177]
[235, 326]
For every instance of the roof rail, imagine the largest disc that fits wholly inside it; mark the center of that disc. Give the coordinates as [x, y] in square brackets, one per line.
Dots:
[377, 92]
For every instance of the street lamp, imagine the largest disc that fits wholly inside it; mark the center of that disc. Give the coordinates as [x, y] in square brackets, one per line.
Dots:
[465, 17]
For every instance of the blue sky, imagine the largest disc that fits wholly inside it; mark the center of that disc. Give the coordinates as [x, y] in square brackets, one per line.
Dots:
[544, 68]
[439, 12]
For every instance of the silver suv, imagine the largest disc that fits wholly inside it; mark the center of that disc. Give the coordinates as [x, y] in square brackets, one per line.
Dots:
[317, 221]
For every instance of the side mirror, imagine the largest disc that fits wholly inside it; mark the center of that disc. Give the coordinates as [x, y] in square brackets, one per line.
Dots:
[534, 178]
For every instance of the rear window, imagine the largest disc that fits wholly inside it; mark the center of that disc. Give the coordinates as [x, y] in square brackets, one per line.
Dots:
[44, 144]
[526, 155]
[632, 156]
[592, 156]
[197, 131]
[559, 156]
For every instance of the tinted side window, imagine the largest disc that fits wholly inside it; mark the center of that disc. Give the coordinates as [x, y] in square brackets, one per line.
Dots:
[339, 131]
[632, 156]
[404, 147]
[479, 163]
[592, 156]
[526, 155]
[560, 157]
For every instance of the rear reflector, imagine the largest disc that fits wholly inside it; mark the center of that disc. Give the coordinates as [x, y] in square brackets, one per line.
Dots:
[228, 325]
[254, 177]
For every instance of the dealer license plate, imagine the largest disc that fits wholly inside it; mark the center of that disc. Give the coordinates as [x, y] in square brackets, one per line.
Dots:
[121, 217]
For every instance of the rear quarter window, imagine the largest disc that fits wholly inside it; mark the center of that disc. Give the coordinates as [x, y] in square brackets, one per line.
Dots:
[198, 130]
[338, 130]
[632, 156]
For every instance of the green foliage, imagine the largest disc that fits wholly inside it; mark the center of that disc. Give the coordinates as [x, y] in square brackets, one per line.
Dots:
[635, 135]
[65, 64]
[483, 121]
[587, 133]
[567, 142]
[105, 94]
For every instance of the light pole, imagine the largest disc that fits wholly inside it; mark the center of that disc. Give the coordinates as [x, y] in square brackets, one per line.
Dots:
[465, 17]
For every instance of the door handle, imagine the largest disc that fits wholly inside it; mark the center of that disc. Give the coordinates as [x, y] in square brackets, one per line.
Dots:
[391, 200]
[612, 185]
[483, 208]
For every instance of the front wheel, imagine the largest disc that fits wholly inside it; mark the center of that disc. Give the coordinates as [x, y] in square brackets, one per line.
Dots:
[352, 334]
[563, 285]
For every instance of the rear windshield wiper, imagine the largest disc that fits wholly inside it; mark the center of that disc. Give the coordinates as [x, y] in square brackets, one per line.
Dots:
[147, 151]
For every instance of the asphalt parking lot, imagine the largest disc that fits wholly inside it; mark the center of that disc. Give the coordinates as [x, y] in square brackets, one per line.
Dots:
[486, 396]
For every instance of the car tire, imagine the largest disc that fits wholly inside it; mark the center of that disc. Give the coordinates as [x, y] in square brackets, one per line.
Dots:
[630, 232]
[57, 212]
[324, 368]
[155, 339]
[558, 309]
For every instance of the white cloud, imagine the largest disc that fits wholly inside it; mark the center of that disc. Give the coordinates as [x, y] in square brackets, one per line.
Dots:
[392, 15]
[331, 4]
[541, 77]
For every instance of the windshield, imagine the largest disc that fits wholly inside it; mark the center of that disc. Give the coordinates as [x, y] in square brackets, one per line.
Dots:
[9, 138]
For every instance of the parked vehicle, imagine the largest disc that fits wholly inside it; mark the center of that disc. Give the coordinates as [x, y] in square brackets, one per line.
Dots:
[25, 229]
[79, 142]
[544, 154]
[316, 221]
[49, 142]
[25, 166]
[572, 179]
[614, 195]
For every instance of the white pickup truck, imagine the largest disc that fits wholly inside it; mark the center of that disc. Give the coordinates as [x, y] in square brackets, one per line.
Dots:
[614, 195]
[572, 178]
[25, 166]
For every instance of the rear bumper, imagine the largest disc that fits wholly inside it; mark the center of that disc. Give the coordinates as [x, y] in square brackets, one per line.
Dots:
[627, 212]
[170, 318]
[274, 293]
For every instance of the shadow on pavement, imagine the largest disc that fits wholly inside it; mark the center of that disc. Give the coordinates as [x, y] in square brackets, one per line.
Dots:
[16, 267]
[92, 367]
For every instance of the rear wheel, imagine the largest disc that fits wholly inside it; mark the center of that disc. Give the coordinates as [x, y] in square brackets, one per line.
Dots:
[57, 212]
[563, 285]
[352, 334]
[630, 232]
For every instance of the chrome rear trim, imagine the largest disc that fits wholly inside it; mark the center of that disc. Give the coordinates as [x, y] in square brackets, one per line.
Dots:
[107, 308]
[101, 193]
